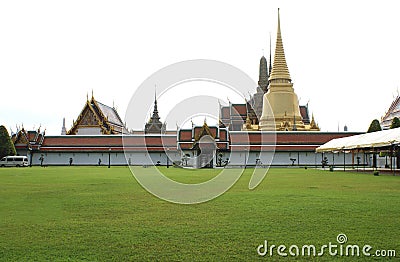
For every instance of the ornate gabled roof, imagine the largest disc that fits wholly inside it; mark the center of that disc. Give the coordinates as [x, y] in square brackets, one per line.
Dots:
[205, 130]
[392, 112]
[394, 107]
[28, 139]
[21, 137]
[209, 140]
[96, 114]
[280, 69]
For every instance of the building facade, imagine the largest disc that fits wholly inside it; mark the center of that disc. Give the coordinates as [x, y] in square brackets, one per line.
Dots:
[230, 148]
[272, 114]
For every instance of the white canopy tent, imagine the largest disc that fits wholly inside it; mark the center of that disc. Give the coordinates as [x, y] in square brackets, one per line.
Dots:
[377, 139]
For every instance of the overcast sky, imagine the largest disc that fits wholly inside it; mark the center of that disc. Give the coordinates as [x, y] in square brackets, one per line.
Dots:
[343, 56]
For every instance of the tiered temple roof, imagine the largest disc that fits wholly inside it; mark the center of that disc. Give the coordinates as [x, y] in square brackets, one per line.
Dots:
[393, 111]
[97, 118]
[28, 140]
[188, 138]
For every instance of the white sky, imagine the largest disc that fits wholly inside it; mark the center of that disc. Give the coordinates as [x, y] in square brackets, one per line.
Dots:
[343, 56]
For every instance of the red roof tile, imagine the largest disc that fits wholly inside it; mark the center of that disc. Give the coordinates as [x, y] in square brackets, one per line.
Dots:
[239, 109]
[185, 135]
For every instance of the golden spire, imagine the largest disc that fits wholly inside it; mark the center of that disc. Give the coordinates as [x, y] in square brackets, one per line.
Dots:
[313, 125]
[279, 69]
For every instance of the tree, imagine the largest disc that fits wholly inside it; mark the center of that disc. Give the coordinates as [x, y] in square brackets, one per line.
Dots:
[375, 126]
[395, 123]
[6, 145]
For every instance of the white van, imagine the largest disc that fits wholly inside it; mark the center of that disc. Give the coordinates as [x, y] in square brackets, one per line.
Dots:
[14, 161]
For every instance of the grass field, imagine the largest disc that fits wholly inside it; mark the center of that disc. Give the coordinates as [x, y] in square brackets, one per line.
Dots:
[96, 213]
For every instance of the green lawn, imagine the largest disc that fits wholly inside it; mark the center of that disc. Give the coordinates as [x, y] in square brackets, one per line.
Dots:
[96, 213]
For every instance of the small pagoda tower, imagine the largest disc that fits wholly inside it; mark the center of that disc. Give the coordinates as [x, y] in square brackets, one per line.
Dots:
[256, 102]
[154, 125]
[63, 129]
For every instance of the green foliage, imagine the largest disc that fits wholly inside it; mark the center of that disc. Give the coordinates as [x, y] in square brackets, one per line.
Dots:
[100, 214]
[6, 145]
[374, 126]
[395, 123]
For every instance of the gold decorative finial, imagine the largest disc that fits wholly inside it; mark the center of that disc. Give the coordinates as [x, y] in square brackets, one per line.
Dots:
[279, 20]
[92, 94]
[270, 55]
[279, 69]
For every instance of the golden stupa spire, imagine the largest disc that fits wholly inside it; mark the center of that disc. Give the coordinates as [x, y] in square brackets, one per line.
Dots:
[280, 70]
[313, 125]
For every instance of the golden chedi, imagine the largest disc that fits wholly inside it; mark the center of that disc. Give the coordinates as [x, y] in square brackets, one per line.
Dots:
[280, 105]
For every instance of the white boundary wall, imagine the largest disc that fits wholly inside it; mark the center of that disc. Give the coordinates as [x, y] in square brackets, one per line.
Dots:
[235, 158]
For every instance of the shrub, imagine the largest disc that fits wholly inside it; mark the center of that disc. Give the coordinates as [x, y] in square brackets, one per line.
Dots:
[395, 123]
[374, 126]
